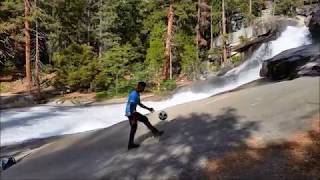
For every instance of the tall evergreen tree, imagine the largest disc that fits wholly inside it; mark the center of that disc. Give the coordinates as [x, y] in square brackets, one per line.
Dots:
[11, 36]
[168, 53]
[105, 21]
[27, 44]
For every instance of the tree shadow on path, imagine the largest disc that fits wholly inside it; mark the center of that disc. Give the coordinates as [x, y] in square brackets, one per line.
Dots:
[298, 158]
[183, 150]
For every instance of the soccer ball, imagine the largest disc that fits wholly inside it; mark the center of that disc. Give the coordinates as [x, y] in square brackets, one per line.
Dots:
[163, 115]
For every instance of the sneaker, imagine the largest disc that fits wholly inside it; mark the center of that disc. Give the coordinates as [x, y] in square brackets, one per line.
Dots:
[158, 134]
[132, 146]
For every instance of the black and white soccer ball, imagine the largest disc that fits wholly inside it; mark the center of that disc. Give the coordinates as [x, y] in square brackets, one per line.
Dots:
[163, 115]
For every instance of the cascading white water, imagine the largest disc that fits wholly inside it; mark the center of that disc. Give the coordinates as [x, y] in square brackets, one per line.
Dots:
[22, 124]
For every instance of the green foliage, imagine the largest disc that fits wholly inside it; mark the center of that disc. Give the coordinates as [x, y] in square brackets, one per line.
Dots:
[4, 88]
[154, 17]
[101, 82]
[128, 22]
[189, 62]
[118, 62]
[105, 20]
[168, 85]
[257, 7]
[242, 6]
[78, 69]
[11, 35]
[287, 7]
[8, 68]
[108, 46]
[243, 39]
[75, 67]
[233, 7]
[184, 18]
[103, 95]
[139, 73]
[216, 16]
[236, 59]
[155, 53]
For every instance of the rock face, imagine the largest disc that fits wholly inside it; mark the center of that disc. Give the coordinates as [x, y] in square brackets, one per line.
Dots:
[314, 25]
[311, 68]
[237, 22]
[16, 101]
[301, 61]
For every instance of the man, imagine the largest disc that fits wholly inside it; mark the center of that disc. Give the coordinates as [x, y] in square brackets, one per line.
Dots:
[134, 116]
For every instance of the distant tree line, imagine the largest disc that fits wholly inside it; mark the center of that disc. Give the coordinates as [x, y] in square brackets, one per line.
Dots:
[109, 45]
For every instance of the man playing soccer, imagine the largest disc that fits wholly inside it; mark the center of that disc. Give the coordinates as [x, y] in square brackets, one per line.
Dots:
[134, 116]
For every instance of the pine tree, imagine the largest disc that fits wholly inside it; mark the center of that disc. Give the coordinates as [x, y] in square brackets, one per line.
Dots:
[27, 44]
[224, 34]
[155, 53]
[105, 20]
[11, 35]
[168, 54]
[37, 61]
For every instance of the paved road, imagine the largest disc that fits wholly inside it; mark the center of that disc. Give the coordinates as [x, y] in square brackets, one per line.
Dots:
[195, 133]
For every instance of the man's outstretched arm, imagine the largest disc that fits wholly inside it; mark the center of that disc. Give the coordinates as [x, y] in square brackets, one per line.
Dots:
[145, 107]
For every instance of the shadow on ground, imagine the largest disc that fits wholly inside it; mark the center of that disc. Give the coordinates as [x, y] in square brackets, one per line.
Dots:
[196, 146]
[184, 149]
[296, 159]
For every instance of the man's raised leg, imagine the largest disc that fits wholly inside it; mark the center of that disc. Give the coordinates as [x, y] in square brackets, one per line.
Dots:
[147, 123]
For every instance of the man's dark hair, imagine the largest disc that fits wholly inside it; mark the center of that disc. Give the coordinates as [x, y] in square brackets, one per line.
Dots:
[141, 83]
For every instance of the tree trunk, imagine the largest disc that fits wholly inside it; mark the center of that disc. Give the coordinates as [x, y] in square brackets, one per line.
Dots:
[88, 30]
[211, 29]
[170, 64]
[165, 71]
[37, 63]
[100, 31]
[273, 7]
[88, 23]
[224, 34]
[198, 25]
[198, 38]
[27, 45]
[250, 7]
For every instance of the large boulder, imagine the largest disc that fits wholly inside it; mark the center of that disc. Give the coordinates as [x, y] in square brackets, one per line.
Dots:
[5, 163]
[311, 68]
[314, 25]
[263, 26]
[292, 63]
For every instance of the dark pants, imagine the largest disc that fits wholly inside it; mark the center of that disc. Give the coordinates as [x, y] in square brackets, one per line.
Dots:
[133, 120]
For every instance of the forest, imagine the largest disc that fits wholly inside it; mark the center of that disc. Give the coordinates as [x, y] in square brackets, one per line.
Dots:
[107, 46]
